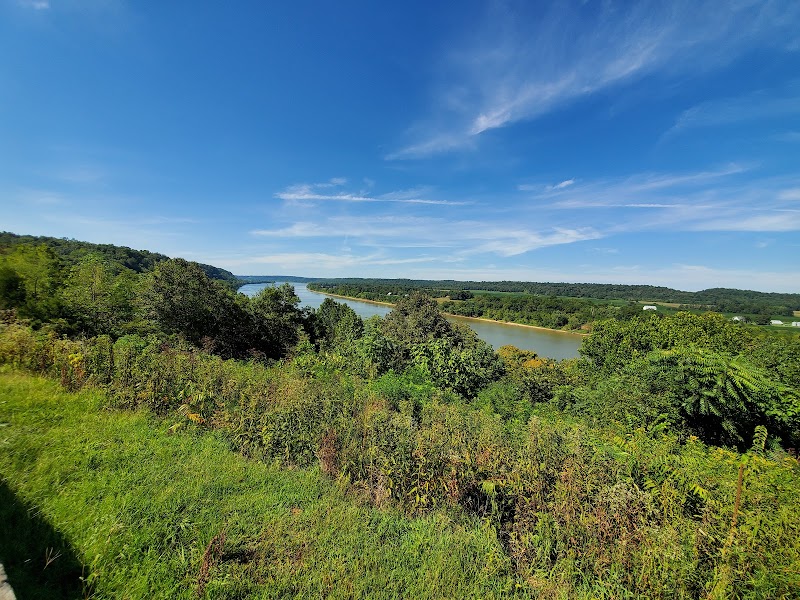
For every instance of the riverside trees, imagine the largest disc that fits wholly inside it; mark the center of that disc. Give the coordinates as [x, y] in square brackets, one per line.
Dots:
[416, 334]
[94, 294]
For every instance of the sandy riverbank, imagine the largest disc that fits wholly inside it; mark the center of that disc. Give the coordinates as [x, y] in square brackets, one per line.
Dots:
[485, 320]
[547, 329]
[352, 298]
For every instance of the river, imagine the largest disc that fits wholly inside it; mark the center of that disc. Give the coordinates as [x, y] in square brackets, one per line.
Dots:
[552, 344]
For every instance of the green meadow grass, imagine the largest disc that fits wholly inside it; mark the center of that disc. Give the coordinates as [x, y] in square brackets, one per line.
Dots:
[109, 504]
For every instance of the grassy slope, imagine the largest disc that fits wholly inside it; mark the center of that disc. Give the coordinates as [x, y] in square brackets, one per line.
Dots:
[131, 508]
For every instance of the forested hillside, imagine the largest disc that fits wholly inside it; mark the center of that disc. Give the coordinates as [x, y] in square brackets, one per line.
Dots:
[71, 252]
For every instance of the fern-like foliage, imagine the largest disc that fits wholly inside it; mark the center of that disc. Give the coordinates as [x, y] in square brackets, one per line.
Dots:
[723, 398]
[759, 440]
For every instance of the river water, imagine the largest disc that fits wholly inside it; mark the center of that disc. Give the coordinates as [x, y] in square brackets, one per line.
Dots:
[552, 344]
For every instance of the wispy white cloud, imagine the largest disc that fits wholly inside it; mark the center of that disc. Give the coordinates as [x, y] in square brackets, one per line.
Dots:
[777, 221]
[295, 230]
[715, 200]
[563, 184]
[315, 262]
[514, 241]
[378, 227]
[438, 144]
[788, 136]
[315, 192]
[514, 69]
[774, 105]
[462, 237]
[28, 196]
[532, 187]
[35, 4]
[728, 198]
[791, 195]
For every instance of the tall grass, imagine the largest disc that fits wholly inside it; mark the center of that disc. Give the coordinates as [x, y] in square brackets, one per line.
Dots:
[131, 508]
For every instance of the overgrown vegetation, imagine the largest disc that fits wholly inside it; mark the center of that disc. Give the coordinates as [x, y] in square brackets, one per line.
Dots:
[659, 464]
[115, 504]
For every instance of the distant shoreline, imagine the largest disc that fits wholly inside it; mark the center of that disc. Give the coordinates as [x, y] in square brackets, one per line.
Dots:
[539, 327]
[484, 319]
[352, 298]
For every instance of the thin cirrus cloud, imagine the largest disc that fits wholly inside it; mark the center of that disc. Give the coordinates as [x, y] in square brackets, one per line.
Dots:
[777, 105]
[638, 190]
[508, 72]
[314, 261]
[728, 198]
[36, 4]
[386, 227]
[462, 237]
[714, 200]
[304, 193]
[778, 221]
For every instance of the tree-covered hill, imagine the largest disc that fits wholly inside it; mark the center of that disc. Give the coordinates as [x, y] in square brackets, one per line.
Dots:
[72, 251]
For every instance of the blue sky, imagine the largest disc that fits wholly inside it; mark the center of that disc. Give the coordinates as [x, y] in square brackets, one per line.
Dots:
[622, 142]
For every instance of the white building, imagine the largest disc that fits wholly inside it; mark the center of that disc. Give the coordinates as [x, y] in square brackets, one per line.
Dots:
[649, 307]
[775, 322]
[795, 323]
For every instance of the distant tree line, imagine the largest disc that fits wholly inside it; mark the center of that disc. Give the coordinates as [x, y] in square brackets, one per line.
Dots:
[716, 299]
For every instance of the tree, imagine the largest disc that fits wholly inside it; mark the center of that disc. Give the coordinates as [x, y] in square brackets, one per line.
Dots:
[377, 352]
[721, 397]
[461, 295]
[99, 295]
[12, 288]
[336, 325]
[40, 271]
[276, 319]
[465, 369]
[452, 355]
[415, 319]
[614, 344]
[179, 298]
[38, 266]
